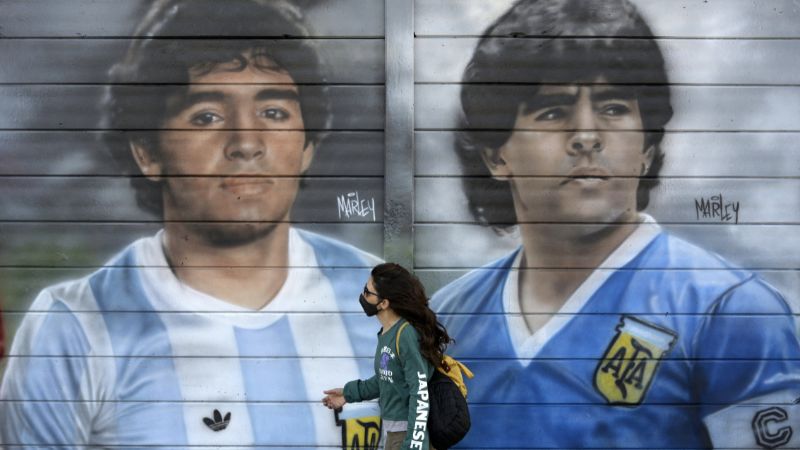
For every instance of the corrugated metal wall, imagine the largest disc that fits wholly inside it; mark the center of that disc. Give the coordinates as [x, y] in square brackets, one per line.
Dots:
[66, 208]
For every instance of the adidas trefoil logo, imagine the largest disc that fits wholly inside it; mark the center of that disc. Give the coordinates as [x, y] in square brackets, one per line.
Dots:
[218, 424]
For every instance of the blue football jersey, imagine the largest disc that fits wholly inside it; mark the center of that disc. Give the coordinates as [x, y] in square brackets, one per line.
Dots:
[131, 356]
[664, 346]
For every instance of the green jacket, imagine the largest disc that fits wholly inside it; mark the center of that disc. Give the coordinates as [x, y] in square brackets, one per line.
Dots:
[401, 382]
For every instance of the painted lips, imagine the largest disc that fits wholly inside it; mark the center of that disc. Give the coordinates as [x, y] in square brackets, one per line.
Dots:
[246, 186]
[586, 175]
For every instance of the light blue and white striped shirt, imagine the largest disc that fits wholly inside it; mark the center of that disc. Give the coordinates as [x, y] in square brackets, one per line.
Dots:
[131, 356]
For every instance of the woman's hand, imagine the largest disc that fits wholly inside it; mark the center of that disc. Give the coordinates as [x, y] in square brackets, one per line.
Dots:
[334, 398]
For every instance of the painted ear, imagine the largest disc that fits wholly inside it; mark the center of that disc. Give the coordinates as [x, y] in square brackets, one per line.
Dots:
[495, 163]
[148, 164]
[649, 154]
[308, 155]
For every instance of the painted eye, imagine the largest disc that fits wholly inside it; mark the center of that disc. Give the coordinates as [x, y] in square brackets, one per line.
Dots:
[615, 109]
[552, 114]
[205, 118]
[276, 114]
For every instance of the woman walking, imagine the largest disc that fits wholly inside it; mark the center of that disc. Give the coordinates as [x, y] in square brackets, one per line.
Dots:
[405, 358]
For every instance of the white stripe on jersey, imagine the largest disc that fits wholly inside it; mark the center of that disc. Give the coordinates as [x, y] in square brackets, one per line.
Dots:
[195, 340]
[324, 343]
[526, 344]
[321, 341]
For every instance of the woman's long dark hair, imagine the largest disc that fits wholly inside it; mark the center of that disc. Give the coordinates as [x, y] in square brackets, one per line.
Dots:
[407, 298]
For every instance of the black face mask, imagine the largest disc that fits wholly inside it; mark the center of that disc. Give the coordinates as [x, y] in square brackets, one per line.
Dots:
[369, 309]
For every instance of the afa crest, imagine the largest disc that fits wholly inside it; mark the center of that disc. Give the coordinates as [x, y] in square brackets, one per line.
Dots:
[360, 433]
[626, 370]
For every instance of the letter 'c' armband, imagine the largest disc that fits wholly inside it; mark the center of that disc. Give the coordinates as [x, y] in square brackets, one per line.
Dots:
[770, 421]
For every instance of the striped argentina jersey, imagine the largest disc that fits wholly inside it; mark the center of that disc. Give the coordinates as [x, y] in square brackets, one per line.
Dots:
[130, 356]
[664, 346]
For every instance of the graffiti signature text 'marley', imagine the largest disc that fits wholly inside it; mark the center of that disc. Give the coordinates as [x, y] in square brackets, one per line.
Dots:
[350, 205]
[715, 208]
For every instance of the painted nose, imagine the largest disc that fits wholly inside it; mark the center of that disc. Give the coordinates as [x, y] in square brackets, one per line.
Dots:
[586, 137]
[585, 141]
[245, 144]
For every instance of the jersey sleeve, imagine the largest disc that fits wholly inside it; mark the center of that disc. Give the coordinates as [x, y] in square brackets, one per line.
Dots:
[417, 371]
[360, 390]
[747, 370]
[44, 398]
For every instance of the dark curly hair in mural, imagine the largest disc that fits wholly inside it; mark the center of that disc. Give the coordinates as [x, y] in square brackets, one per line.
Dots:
[407, 298]
[555, 42]
[178, 35]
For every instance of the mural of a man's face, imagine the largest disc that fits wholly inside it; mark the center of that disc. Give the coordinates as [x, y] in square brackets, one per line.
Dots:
[234, 149]
[575, 155]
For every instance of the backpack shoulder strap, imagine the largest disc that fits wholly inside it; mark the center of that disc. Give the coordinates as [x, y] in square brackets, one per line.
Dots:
[397, 338]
